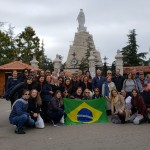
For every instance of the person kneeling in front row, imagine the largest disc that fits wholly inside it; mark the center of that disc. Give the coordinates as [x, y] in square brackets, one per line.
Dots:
[19, 115]
[138, 108]
[55, 108]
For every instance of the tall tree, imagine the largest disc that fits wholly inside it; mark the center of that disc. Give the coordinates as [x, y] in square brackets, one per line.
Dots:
[13, 51]
[28, 43]
[45, 63]
[7, 52]
[129, 52]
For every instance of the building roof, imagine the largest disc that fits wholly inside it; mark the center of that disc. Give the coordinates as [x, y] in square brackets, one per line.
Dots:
[137, 68]
[17, 65]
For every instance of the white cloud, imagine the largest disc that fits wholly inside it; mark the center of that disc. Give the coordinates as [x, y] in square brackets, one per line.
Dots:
[109, 21]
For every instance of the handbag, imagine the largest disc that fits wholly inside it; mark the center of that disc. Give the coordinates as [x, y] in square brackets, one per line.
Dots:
[39, 122]
[115, 119]
[62, 119]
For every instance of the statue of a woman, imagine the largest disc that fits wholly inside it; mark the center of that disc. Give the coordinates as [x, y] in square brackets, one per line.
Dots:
[81, 18]
[81, 21]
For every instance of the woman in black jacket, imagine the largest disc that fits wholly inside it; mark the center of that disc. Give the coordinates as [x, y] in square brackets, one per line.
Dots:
[11, 83]
[55, 108]
[86, 84]
[68, 85]
[16, 92]
[39, 83]
[46, 95]
[34, 104]
[78, 94]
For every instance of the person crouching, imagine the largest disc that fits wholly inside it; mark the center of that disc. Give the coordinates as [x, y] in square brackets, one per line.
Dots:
[55, 108]
[19, 115]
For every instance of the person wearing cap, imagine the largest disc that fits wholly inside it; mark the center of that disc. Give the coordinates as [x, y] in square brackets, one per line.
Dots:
[22, 77]
[18, 89]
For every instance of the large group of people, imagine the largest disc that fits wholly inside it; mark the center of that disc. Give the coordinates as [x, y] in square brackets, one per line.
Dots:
[41, 93]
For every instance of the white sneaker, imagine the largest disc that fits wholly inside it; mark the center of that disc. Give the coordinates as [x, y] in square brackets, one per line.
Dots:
[54, 125]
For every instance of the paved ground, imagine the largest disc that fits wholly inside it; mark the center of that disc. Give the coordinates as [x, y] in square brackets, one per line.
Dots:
[104, 136]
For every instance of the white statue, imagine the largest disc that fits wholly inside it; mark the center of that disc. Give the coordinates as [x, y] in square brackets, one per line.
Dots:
[81, 21]
[81, 18]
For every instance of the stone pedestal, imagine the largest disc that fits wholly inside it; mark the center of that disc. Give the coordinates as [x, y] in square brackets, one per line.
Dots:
[79, 47]
[92, 64]
[119, 61]
[57, 64]
[34, 62]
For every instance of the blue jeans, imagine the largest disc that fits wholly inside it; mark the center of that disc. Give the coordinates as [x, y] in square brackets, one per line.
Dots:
[21, 121]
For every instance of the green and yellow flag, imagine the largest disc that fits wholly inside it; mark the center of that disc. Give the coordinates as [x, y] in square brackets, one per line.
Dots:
[85, 111]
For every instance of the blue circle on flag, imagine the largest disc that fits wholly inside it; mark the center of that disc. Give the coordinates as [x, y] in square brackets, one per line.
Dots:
[84, 115]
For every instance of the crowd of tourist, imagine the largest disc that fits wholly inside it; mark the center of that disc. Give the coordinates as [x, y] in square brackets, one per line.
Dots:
[32, 93]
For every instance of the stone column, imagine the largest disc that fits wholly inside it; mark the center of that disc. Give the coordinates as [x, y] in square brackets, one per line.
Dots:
[34, 62]
[119, 61]
[57, 64]
[92, 64]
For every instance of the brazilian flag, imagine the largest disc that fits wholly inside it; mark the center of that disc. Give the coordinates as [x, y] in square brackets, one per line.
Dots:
[85, 111]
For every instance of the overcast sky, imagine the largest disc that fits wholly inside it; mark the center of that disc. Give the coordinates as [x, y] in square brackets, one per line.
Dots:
[54, 21]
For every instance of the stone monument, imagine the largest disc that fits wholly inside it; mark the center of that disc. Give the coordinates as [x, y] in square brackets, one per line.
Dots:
[57, 64]
[92, 64]
[78, 49]
[119, 61]
[34, 62]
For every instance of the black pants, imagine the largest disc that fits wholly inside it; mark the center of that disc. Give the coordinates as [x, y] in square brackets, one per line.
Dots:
[44, 109]
[55, 115]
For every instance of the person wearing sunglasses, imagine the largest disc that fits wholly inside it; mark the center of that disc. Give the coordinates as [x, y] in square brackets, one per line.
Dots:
[86, 94]
[66, 94]
[19, 115]
[96, 94]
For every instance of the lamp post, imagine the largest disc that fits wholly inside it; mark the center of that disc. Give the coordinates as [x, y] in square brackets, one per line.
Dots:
[119, 61]
[57, 64]
[105, 65]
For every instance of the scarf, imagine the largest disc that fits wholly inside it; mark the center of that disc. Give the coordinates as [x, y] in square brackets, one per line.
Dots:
[114, 101]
